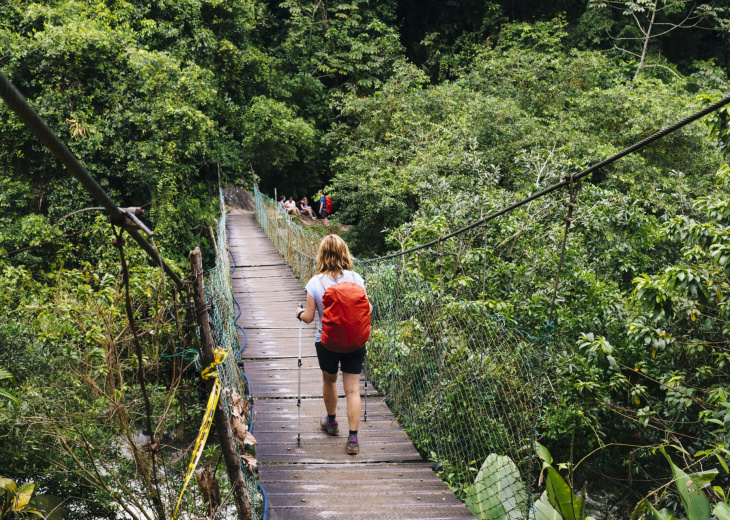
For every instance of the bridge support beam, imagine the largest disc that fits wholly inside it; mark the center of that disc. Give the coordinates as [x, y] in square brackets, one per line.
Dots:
[233, 464]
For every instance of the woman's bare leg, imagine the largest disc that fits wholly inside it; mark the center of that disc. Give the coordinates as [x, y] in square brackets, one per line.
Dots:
[329, 392]
[352, 391]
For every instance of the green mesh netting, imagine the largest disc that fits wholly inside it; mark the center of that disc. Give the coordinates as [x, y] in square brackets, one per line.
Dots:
[462, 384]
[297, 245]
[466, 388]
[222, 316]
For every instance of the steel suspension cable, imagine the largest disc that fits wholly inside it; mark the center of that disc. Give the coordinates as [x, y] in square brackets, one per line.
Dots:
[567, 180]
[45, 135]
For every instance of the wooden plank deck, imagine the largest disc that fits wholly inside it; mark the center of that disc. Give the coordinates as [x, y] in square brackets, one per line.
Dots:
[387, 479]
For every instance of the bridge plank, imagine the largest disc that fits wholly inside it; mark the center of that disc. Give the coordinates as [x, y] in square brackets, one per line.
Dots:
[316, 478]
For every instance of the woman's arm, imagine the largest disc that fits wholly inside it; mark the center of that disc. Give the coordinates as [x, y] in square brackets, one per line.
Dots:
[308, 314]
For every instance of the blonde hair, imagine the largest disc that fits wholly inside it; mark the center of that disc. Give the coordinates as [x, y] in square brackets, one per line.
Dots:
[333, 256]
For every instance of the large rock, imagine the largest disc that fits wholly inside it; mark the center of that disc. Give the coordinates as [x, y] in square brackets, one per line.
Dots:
[239, 197]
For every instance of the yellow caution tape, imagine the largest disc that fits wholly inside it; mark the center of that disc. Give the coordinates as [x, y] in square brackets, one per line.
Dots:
[219, 355]
[209, 372]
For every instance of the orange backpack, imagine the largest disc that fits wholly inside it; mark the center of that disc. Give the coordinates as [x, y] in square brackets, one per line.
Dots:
[345, 316]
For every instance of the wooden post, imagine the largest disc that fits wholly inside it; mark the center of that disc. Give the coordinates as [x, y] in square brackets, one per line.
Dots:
[212, 238]
[190, 334]
[233, 464]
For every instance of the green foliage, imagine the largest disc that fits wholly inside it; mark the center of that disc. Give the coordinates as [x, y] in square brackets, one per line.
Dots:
[5, 375]
[276, 138]
[561, 501]
[15, 500]
[351, 45]
[66, 338]
[422, 116]
[690, 488]
[134, 91]
[497, 492]
[718, 124]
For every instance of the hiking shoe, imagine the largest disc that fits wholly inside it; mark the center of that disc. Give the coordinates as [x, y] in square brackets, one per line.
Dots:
[330, 427]
[352, 445]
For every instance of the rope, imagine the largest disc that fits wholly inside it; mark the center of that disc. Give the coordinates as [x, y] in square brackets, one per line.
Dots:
[245, 336]
[187, 355]
[576, 176]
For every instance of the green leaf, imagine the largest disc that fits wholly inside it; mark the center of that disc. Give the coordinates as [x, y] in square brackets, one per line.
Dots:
[695, 502]
[498, 492]
[721, 459]
[561, 497]
[8, 484]
[722, 511]
[543, 453]
[646, 511]
[664, 514]
[9, 396]
[544, 511]
[704, 477]
[24, 494]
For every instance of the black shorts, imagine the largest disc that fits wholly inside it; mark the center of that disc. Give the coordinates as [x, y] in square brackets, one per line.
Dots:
[323, 213]
[330, 361]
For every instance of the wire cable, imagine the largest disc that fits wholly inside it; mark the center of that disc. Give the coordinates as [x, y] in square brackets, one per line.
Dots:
[565, 182]
[45, 135]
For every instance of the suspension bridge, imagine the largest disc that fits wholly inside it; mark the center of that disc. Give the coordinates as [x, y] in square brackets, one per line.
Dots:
[316, 478]
[465, 387]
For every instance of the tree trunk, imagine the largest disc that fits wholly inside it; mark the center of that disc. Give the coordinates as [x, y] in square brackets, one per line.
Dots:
[233, 464]
[647, 37]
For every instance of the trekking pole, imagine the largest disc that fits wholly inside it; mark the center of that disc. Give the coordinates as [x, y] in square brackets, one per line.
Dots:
[365, 370]
[299, 384]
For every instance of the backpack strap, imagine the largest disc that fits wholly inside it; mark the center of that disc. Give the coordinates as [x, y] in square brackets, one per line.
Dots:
[328, 282]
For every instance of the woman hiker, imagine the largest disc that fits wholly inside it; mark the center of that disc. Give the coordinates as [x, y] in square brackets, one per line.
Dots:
[343, 327]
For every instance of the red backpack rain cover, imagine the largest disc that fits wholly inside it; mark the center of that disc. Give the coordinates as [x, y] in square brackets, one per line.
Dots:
[328, 204]
[345, 317]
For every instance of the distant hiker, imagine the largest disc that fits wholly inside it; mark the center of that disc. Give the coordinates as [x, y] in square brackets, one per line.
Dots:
[291, 207]
[323, 207]
[343, 328]
[306, 209]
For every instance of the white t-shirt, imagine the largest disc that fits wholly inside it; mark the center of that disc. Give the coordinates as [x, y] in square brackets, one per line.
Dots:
[289, 204]
[316, 290]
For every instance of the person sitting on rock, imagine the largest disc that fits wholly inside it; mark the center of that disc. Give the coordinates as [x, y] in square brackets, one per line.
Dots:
[306, 209]
[291, 207]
